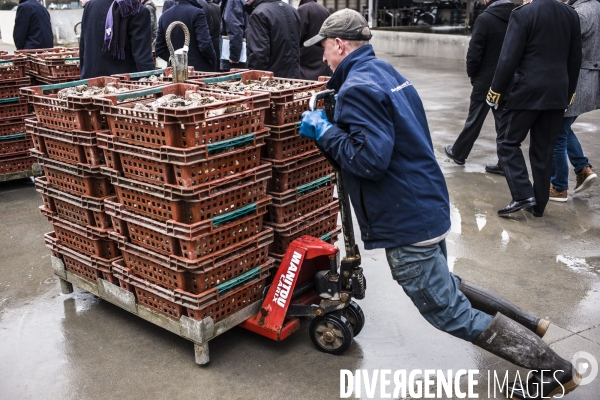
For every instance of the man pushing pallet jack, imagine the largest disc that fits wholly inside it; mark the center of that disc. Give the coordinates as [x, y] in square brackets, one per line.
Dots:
[382, 143]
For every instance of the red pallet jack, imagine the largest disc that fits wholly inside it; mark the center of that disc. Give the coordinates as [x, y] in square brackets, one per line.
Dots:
[312, 282]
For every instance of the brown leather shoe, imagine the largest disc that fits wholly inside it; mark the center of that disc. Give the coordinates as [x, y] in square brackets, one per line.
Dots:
[557, 195]
[585, 178]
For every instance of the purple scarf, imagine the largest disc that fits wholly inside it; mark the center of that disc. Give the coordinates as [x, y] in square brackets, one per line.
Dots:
[115, 28]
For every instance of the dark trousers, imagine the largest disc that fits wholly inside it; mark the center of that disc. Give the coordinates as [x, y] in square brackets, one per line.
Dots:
[478, 110]
[543, 126]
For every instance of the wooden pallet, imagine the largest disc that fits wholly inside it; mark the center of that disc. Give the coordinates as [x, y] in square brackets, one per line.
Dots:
[198, 332]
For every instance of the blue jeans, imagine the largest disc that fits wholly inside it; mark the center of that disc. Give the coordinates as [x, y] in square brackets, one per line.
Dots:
[566, 145]
[424, 275]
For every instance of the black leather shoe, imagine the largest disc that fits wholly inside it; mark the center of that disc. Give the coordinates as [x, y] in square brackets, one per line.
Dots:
[494, 169]
[448, 151]
[515, 206]
[533, 212]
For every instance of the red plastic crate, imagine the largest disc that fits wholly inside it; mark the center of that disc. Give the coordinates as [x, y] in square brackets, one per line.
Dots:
[287, 105]
[13, 127]
[15, 107]
[83, 211]
[16, 144]
[191, 241]
[79, 238]
[11, 87]
[199, 276]
[62, 65]
[217, 304]
[181, 168]
[76, 147]
[16, 163]
[285, 144]
[74, 179]
[87, 267]
[223, 195]
[303, 200]
[12, 66]
[316, 224]
[329, 237]
[31, 53]
[230, 117]
[164, 75]
[298, 173]
[74, 113]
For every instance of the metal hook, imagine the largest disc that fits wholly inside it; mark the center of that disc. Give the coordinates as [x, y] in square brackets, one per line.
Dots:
[179, 62]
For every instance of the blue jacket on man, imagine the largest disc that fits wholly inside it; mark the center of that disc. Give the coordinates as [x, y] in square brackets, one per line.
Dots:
[395, 183]
[32, 26]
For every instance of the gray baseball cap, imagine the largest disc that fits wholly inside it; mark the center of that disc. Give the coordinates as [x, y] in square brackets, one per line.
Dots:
[345, 24]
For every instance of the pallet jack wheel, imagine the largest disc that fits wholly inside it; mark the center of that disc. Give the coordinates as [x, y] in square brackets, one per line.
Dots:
[354, 314]
[331, 333]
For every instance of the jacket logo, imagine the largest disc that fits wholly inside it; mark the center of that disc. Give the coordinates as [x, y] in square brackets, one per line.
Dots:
[398, 88]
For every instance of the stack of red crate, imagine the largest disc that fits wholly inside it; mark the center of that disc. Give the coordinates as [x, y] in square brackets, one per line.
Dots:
[65, 144]
[303, 180]
[53, 65]
[14, 142]
[190, 199]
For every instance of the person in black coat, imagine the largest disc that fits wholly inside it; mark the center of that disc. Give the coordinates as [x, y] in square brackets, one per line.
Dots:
[166, 5]
[32, 26]
[536, 77]
[273, 36]
[482, 58]
[234, 21]
[135, 39]
[312, 16]
[201, 53]
[213, 14]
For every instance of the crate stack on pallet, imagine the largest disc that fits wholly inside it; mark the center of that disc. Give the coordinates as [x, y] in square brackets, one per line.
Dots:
[191, 193]
[73, 189]
[302, 184]
[15, 143]
[53, 65]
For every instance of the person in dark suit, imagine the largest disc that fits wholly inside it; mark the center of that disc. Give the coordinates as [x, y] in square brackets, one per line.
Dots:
[536, 76]
[312, 16]
[273, 38]
[213, 12]
[128, 47]
[201, 53]
[482, 58]
[32, 26]
[234, 21]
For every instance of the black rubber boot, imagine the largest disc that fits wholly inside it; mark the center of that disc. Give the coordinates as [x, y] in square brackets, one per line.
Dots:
[513, 342]
[491, 303]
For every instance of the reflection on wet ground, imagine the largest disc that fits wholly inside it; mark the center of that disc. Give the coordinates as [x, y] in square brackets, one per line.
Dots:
[77, 346]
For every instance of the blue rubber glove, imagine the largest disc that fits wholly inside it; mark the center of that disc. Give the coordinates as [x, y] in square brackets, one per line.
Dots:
[314, 124]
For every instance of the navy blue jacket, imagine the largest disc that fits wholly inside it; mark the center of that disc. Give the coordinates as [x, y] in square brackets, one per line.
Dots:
[540, 58]
[234, 22]
[138, 46]
[201, 54]
[274, 38]
[32, 26]
[382, 142]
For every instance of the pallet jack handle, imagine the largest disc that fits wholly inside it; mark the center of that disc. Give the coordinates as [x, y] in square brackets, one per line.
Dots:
[328, 97]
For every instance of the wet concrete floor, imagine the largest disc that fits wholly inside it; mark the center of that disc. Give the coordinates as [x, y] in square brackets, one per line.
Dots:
[77, 346]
